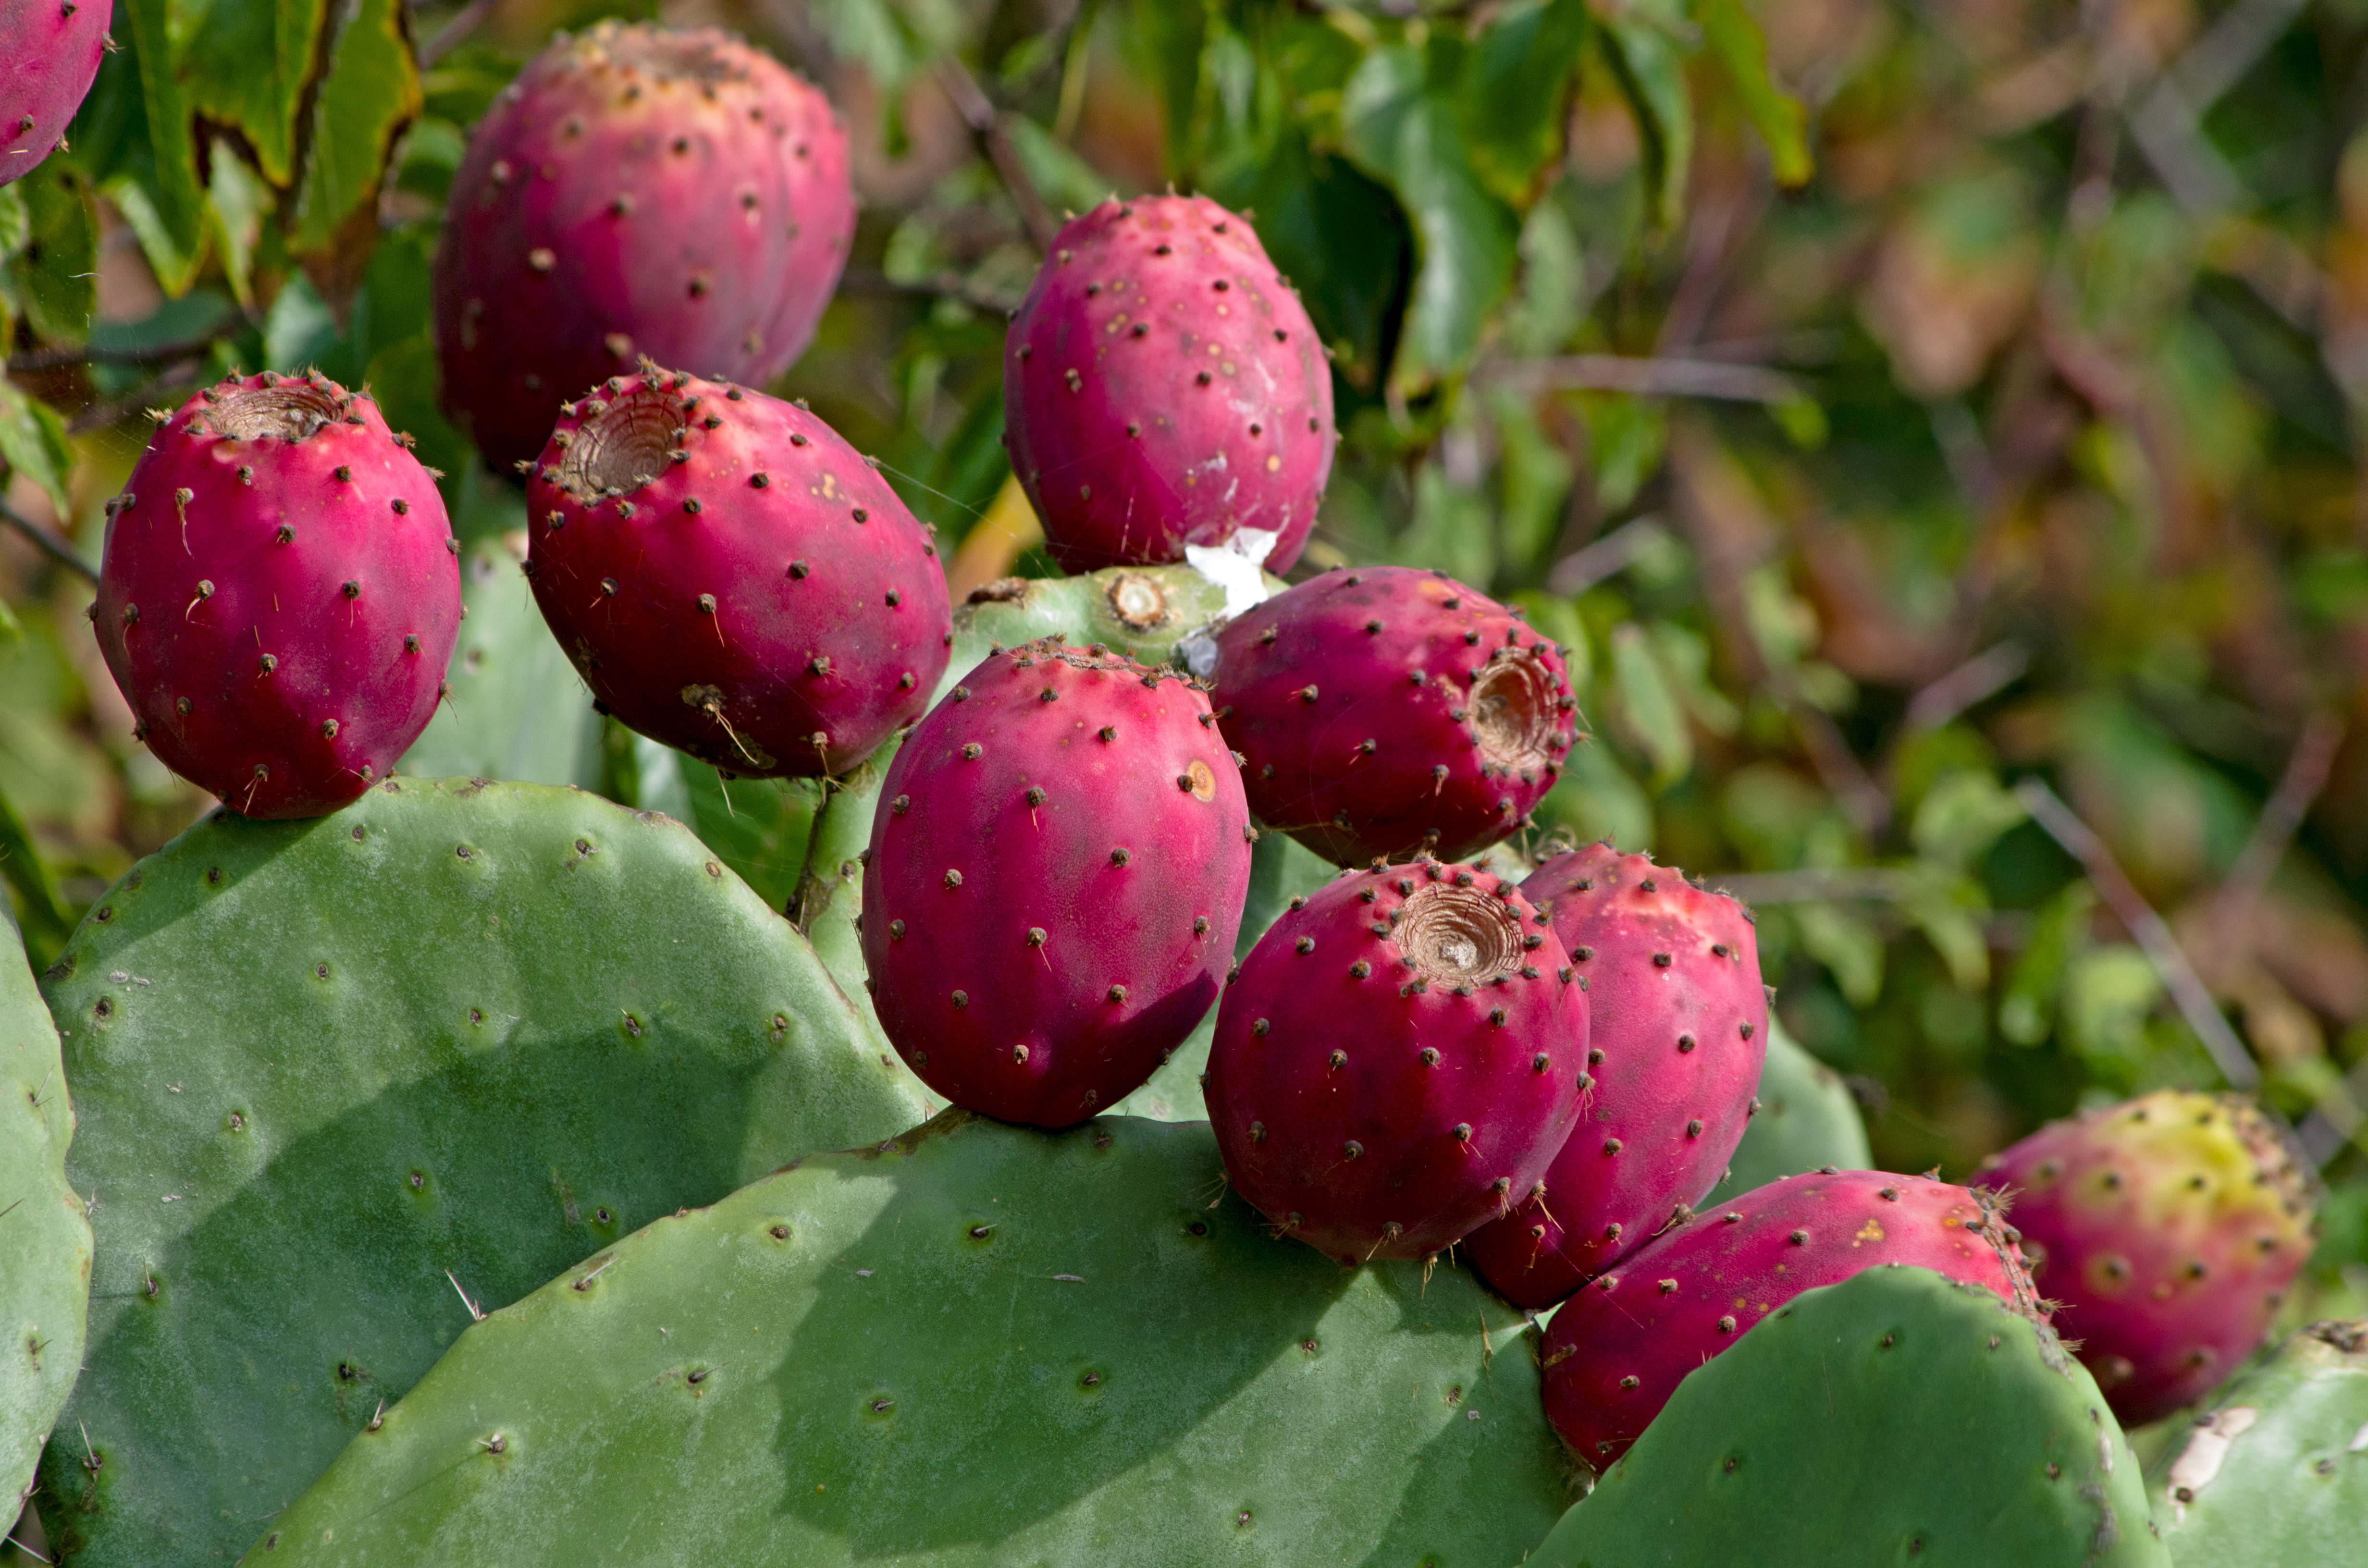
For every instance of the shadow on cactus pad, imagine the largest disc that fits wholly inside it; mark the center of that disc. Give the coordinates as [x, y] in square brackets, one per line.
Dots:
[982, 1343]
[336, 1076]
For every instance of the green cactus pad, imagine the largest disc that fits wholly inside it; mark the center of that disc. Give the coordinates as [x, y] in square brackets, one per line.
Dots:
[1894, 1418]
[1281, 869]
[1142, 611]
[2278, 1471]
[44, 1237]
[1806, 1122]
[975, 1345]
[485, 1029]
[515, 707]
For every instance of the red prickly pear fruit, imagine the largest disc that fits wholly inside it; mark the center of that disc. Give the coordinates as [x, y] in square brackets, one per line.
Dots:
[1397, 1061]
[52, 48]
[1680, 1033]
[637, 191]
[280, 595]
[1055, 883]
[1385, 711]
[2168, 1230]
[1616, 1351]
[1165, 388]
[732, 578]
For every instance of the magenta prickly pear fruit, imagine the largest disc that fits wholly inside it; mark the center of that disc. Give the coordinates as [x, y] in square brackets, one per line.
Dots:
[1054, 882]
[1385, 711]
[280, 595]
[1397, 1061]
[1164, 387]
[1680, 1032]
[51, 49]
[638, 191]
[2168, 1228]
[1617, 1351]
[732, 578]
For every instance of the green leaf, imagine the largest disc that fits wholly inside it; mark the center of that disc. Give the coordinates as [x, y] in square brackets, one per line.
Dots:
[1517, 93]
[1849, 947]
[1401, 120]
[33, 443]
[244, 64]
[1453, 531]
[22, 868]
[1741, 49]
[1652, 71]
[15, 221]
[1961, 816]
[53, 279]
[238, 201]
[1646, 711]
[153, 180]
[2027, 1012]
[370, 93]
[1165, 38]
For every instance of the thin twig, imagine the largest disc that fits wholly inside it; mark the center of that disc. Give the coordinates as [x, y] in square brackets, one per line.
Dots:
[452, 32]
[1817, 884]
[2274, 831]
[1976, 680]
[985, 123]
[154, 354]
[51, 543]
[1605, 557]
[871, 280]
[1654, 377]
[2147, 927]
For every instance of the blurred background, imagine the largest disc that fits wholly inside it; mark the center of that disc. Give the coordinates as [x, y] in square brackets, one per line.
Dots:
[1933, 424]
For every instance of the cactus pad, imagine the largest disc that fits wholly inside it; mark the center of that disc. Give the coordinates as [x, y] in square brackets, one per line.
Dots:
[482, 1030]
[2279, 1471]
[1896, 1417]
[1807, 1120]
[44, 1238]
[973, 1344]
[1144, 612]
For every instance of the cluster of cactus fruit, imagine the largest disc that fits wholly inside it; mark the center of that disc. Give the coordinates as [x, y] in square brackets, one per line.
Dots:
[359, 1040]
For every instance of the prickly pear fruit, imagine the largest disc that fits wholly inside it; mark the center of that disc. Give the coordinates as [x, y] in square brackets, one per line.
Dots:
[637, 190]
[732, 578]
[1898, 1418]
[1386, 711]
[53, 50]
[2170, 1228]
[1679, 1022]
[1050, 896]
[1397, 1061]
[1165, 389]
[280, 594]
[1617, 1351]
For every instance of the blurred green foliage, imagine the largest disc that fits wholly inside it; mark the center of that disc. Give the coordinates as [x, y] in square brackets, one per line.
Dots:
[1886, 403]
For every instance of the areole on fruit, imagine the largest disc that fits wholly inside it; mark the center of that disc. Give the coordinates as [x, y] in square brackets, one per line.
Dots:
[1513, 711]
[290, 411]
[624, 447]
[1450, 935]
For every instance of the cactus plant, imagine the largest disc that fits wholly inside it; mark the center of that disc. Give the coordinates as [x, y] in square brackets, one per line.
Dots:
[1151, 614]
[732, 578]
[482, 1030]
[2170, 1228]
[1387, 711]
[52, 47]
[1807, 1120]
[1677, 1032]
[1397, 1061]
[1896, 1417]
[637, 190]
[1616, 1351]
[976, 1344]
[280, 599]
[44, 1234]
[1165, 389]
[1052, 895]
[2277, 1472]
